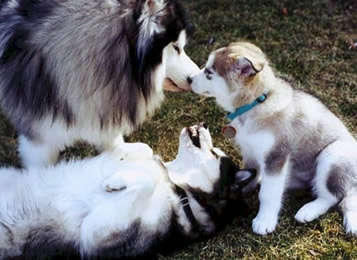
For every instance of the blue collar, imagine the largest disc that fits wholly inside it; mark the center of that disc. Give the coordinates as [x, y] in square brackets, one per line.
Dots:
[241, 110]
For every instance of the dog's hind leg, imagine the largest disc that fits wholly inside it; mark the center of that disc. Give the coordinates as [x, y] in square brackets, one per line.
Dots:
[325, 199]
[315, 208]
[334, 179]
[349, 209]
[36, 153]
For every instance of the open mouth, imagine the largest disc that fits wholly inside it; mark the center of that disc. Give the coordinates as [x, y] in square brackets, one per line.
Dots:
[194, 134]
[172, 86]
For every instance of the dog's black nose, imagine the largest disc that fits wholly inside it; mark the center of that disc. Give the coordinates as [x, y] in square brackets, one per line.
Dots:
[189, 80]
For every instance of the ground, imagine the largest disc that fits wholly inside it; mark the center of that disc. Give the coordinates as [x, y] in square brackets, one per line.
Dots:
[309, 41]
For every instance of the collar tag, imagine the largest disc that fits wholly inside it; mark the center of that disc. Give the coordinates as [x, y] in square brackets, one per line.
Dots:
[229, 132]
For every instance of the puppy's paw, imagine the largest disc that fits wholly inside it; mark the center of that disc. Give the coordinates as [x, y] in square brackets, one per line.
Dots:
[304, 216]
[312, 210]
[114, 184]
[350, 223]
[264, 225]
[205, 139]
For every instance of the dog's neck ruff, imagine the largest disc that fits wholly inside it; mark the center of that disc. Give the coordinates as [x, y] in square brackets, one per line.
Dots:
[243, 109]
[186, 208]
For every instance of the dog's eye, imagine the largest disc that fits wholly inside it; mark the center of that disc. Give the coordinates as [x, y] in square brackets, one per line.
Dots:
[208, 72]
[177, 49]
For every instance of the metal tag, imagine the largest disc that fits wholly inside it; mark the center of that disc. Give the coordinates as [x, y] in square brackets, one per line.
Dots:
[229, 132]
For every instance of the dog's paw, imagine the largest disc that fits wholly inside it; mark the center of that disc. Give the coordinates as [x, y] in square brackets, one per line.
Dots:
[205, 138]
[304, 215]
[114, 184]
[350, 223]
[264, 225]
[312, 210]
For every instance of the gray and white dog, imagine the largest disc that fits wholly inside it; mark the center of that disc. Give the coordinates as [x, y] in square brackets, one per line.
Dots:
[87, 70]
[289, 136]
[121, 203]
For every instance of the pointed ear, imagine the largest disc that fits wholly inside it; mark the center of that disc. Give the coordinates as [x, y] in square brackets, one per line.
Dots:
[247, 68]
[244, 177]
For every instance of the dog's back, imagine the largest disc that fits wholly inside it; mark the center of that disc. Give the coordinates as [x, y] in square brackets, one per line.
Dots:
[302, 128]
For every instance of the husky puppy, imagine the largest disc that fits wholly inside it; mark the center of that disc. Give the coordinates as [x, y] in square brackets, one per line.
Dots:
[289, 136]
[87, 70]
[120, 203]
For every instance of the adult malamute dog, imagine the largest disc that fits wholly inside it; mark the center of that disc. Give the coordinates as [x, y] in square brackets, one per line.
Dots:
[120, 203]
[86, 69]
[293, 139]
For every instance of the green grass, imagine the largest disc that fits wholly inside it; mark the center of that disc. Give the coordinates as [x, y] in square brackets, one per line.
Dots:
[311, 45]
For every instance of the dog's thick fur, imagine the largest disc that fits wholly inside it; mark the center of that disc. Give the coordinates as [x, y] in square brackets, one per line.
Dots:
[87, 70]
[292, 138]
[119, 204]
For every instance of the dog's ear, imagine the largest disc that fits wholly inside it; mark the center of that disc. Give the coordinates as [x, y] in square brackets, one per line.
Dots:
[243, 177]
[244, 67]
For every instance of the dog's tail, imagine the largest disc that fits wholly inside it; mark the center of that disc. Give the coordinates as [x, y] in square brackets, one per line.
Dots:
[348, 207]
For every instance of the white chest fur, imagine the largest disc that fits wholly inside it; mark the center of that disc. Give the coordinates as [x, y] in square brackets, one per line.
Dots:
[251, 142]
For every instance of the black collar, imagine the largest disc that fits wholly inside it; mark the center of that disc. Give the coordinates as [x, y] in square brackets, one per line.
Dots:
[187, 209]
[181, 193]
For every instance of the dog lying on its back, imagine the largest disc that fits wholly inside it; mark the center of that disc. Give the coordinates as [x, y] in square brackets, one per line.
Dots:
[290, 136]
[120, 203]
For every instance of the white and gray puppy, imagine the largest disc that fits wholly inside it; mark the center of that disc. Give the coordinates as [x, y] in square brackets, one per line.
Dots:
[87, 70]
[289, 136]
[120, 203]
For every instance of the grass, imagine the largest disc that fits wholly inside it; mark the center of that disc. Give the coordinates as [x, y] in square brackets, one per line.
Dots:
[309, 42]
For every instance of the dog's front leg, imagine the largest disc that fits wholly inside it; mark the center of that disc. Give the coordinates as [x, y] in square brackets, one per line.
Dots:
[38, 153]
[128, 151]
[133, 151]
[270, 197]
